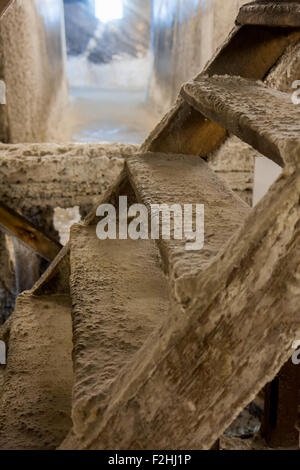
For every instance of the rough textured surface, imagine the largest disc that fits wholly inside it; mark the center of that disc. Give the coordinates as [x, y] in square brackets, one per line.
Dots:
[228, 338]
[179, 179]
[7, 281]
[264, 118]
[4, 336]
[4, 5]
[282, 13]
[35, 399]
[119, 295]
[234, 160]
[32, 64]
[102, 43]
[53, 175]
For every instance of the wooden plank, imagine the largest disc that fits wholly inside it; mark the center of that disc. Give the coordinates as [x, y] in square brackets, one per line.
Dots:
[264, 118]
[19, 227]
[283, 14]
[250, 52]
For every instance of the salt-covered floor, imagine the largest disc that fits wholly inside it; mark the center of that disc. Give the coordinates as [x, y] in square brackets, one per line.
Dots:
[103, 115]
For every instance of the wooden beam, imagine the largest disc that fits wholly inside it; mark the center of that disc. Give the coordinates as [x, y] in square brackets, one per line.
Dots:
[21, 228]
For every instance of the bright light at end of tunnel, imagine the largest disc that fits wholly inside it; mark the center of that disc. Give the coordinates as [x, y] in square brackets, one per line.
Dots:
[108, 10]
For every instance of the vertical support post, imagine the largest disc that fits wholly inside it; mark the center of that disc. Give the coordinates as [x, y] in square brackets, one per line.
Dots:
[279, 426]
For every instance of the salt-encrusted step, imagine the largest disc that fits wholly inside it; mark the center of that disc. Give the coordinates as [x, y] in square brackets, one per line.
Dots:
[264, 118]
[36, 383]
[187, 179]
[216, 351]
[119, 296]
[268, 13]
[249, 52]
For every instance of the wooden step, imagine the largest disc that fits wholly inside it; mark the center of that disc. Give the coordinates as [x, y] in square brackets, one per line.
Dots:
[267, 13]
[119, 296]
[187, 179]
[56, 278]
[36, 383]
[18, 226]
[264, 118]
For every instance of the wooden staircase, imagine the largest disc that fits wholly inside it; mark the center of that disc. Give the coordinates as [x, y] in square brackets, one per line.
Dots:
[170, 345]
